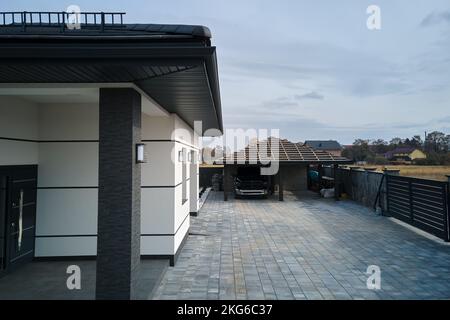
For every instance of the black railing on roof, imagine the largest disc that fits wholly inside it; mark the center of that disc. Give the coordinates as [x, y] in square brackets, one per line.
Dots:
[100, 20]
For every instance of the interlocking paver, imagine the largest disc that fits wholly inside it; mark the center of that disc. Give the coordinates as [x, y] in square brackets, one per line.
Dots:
[303, 248]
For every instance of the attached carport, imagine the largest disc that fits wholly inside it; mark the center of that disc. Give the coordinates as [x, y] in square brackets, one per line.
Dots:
[289, 162]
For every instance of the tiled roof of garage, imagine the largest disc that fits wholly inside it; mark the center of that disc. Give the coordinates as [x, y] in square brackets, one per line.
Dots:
[266, 151]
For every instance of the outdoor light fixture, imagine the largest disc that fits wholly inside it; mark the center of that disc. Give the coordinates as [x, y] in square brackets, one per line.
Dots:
[189, 157]
[140, 153]
[180, 156]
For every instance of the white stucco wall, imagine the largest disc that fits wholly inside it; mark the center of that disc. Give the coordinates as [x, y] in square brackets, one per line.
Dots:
[66, 217]
[18, 122]
[162, 184]
[67, 158]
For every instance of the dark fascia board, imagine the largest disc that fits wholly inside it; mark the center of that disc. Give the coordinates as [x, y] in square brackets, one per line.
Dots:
[91, 51]
[213, 77]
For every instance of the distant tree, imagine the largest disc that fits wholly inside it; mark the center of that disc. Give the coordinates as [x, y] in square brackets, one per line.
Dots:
[435, 158]
[379, 146]
[416, 141]
[396, 141]
[447, 142]
[379, 142]
[360, 151]
[436, 141]
[361, 142]
[436, 146]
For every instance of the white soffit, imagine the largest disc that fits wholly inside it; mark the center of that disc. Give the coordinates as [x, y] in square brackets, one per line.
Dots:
[75, 93]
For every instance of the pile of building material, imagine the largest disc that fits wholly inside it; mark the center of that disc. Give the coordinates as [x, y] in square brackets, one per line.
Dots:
[327, 193]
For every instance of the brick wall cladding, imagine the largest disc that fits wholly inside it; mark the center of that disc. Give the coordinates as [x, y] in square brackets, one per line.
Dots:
[118, 243]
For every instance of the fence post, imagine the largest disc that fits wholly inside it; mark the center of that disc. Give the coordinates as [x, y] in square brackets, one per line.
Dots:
[352, 190]
[448, 210]
[411, 207]
[24, 21]
[367, 200]
[387, 173]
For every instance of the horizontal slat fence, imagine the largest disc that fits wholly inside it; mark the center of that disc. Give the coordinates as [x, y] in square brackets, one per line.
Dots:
[419, 202]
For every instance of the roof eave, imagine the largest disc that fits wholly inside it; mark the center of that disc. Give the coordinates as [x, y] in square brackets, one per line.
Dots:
[25, 52]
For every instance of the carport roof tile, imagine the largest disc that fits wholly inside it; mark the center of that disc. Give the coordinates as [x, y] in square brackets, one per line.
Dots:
[282, 150]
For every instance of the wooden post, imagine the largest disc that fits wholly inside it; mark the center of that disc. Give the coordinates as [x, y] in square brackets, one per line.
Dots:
[388, 172]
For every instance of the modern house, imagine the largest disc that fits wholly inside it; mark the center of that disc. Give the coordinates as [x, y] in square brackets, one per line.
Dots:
[331, 146]
[98, 152]
[290, 162]
[405, 155]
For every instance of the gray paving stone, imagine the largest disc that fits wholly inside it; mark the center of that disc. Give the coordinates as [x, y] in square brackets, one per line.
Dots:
[303, 248]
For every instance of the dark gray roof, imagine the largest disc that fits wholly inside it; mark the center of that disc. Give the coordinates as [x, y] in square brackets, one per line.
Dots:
[161, 31]
[323, 144]
[174, 64]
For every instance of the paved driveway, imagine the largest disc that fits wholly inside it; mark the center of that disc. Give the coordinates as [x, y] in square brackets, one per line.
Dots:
[306, 248]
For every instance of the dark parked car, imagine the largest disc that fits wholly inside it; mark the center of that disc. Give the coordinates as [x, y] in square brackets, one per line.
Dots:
[249, 182]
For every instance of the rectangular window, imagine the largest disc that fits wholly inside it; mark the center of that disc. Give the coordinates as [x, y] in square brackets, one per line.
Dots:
[184, 176]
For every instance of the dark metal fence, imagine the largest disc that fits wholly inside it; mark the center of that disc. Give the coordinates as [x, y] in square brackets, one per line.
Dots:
[364, 186]
[421, 203]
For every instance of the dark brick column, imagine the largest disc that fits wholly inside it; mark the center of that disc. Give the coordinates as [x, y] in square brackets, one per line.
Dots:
[119, 194]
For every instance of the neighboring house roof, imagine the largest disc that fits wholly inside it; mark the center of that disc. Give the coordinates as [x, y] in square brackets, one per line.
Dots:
[174, 64]
[274, 149]
[399, 151]
[324, 144]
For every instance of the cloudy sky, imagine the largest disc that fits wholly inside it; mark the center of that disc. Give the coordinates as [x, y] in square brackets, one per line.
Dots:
[312, 68]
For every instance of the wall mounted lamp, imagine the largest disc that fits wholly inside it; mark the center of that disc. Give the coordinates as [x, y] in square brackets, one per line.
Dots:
[140, 153]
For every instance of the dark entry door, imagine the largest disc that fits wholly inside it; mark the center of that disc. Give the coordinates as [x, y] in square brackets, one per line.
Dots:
[19, 214]
[3, 191]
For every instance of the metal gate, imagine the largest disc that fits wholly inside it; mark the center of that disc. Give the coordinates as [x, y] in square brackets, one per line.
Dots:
[420, 202]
